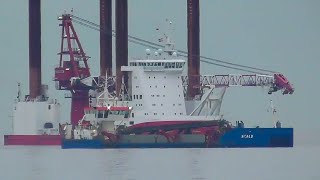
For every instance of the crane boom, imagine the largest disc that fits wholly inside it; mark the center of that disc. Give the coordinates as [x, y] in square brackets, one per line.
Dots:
[275, 82]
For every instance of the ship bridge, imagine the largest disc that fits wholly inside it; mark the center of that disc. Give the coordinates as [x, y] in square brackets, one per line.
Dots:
[156, 65]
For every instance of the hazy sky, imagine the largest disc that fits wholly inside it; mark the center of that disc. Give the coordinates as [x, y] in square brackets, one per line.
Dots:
[280, 35]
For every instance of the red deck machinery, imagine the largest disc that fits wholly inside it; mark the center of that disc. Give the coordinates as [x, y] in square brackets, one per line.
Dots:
[73, 68]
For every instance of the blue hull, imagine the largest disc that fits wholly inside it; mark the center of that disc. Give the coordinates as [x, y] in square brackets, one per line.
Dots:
[258, 137]
[235, 138]
[99, 144]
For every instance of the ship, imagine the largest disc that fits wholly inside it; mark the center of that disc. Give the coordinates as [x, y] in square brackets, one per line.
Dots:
[35, 121]
[152, 109]
[146, 106]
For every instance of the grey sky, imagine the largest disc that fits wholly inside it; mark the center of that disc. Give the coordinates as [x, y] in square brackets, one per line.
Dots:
[276, 35]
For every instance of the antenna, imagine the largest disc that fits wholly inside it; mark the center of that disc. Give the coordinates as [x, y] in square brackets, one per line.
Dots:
[19, 92]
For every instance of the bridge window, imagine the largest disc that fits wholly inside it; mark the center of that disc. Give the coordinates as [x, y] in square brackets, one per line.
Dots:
[100, 114]
[115, 112]
[126, 114]
[105, 114]
[48, 125]
[179, 65]
[140, 96]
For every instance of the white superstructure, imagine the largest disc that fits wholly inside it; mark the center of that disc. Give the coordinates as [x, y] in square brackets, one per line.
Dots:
[36, 117]
[155, 91]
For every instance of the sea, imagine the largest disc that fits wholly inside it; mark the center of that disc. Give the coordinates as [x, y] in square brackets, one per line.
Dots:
[54, 163]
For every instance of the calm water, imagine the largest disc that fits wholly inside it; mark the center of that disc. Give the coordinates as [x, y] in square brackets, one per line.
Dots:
[48, 163]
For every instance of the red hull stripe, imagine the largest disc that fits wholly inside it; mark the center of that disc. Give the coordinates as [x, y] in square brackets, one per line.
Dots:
[160, 123]
[119, 108]
[112, 108]
[32, 140]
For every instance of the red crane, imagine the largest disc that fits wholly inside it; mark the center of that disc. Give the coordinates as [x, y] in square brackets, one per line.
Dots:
[73, 67]
[274, 81]
[71, 74]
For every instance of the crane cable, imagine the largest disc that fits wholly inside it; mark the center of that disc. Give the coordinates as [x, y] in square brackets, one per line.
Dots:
[113, 34]
[152, 45]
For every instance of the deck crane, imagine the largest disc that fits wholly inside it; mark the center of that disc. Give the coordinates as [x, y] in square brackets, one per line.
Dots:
[73, 69]
[275, 81]
[210, 126]
[73, 72]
